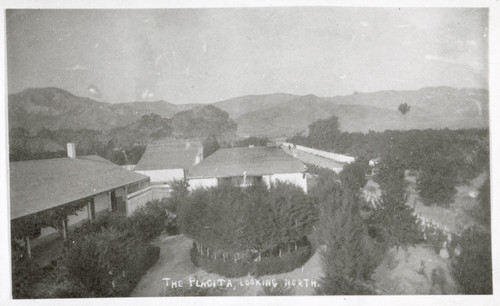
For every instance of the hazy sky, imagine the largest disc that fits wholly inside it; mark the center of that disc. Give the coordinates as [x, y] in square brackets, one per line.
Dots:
[206, 55]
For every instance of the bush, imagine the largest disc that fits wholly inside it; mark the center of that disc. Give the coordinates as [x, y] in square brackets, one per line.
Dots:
[258, 219]
[472, 268]
[271, 264]
[110, 262]
[25, 274]
[149, 221]
[60, 284]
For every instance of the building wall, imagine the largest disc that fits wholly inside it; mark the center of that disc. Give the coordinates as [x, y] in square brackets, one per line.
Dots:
[138, 199]
[161, 191]
[202, 183]
[163, 176]
[333, 156]
[101, 203]
[298, 179]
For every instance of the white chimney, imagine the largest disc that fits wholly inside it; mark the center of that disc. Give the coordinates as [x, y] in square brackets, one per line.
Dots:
[71, 150]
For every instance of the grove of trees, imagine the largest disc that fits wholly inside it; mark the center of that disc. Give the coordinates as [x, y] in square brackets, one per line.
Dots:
[442, 158]
[232, 224]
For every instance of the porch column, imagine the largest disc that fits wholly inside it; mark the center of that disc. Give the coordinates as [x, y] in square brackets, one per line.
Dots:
[126, 200]
[89, 211]
[28, 246]
[110, 205]
[65, 229]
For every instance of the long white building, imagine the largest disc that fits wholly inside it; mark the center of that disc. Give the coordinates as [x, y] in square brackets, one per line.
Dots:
[246, 166]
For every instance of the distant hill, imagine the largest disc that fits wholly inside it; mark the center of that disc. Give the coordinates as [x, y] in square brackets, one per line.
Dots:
[270, 115]
[239, 106]
[434, 107]
[54, 108]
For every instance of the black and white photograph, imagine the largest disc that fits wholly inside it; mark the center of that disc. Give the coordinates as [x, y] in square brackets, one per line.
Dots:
[247, 151]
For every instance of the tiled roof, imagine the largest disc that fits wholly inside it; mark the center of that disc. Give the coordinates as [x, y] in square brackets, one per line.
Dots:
[254, 161]
[37, 185]
[171, 154]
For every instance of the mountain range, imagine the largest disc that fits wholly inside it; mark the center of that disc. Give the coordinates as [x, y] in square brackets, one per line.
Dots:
[271, 115]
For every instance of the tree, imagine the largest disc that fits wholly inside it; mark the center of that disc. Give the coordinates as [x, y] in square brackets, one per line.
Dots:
[404, 108]
[346, 258]
[353, 176]
[391, 178]
[437, 180]
[472, 267]
[322, 133]
[394, 223]
[210, 145]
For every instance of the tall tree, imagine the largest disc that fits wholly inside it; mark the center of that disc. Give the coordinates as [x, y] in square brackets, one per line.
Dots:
[346, 258]
[404, 108]
[353, 176]
[322, 133]
[394, 223]
[437, 181]
[472, 268]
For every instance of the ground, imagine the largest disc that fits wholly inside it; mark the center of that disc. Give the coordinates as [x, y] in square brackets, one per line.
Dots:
[175, 263]
[410, 272]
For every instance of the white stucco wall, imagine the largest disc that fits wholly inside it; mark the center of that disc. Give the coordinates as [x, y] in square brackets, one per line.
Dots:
[163, 176]
[138, 199]
[298, 179]
[202, 183]
[120, 192]
[101, 202]
[330, 155]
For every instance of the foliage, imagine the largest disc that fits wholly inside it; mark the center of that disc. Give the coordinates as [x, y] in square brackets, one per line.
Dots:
[202, 122]
[472, 267]
[437, 181]
[59, 283]
[393, 223]
[391, 178]
[483, 211]
[468, 149]
[126, 144]
[322, 134]
[31, 225]
[243, 223]
[347, 257]
[404, 108]
[109, 262]
[25, 274]
[231, 219]
[353, 175]
[210, 145]
[149, 221]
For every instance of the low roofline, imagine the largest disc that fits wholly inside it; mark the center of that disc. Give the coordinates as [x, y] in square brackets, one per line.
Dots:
[80, 199]
[224, 176]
